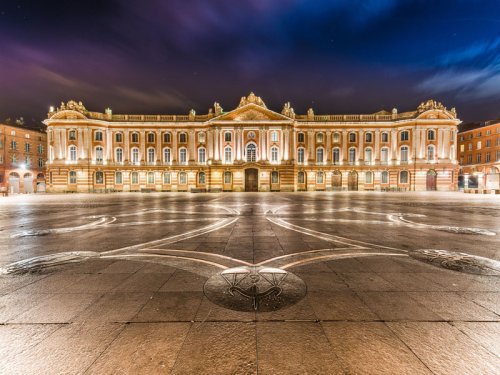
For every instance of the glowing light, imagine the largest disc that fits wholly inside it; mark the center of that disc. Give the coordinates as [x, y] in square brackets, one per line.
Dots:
[23, 166]
[51, 108]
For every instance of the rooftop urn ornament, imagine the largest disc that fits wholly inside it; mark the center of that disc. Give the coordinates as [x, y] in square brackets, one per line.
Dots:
[192, 114]
[310, 114]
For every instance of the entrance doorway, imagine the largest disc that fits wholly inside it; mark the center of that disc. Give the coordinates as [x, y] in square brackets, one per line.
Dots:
[28, 183]
[431, 181]
[352, 181]
[251, 179]
[337, 180]
[14, 183]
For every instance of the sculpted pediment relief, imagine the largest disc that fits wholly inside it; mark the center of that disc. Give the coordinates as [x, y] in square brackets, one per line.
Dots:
[252, 112]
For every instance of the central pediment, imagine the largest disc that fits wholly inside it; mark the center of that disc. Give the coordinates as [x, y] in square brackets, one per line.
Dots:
[252, 112]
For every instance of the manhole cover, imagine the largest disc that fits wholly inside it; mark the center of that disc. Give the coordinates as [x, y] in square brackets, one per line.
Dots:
[255, 289]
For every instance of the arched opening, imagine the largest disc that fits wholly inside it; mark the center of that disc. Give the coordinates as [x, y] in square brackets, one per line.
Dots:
[251, 179]
[227, 181]
[14, 180]
[493, 179]
[301, 181]
[337, 180]
[251, 152]
[352, 181]
[28, 183]
[431, 181]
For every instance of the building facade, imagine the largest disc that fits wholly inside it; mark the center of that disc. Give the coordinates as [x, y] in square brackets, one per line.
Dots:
[251, 148]
[479, 155]
[22, 159]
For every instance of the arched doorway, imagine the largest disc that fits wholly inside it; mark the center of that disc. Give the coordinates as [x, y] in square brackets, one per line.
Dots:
[28, 183]
[352, 181]
[337, 180]
[251, 179]
[40, 183]
[14, 183]
[431, 181]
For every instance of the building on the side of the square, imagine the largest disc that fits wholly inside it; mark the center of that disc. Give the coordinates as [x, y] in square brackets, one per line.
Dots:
[479, 155]
[251, 148]
[22, 159]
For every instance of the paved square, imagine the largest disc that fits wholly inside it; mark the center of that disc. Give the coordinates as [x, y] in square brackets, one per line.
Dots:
[244, 283]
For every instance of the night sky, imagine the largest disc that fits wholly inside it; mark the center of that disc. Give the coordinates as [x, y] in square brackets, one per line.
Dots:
[344, 56]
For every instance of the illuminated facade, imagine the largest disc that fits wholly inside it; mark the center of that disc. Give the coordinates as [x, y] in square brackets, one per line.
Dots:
[251, 148]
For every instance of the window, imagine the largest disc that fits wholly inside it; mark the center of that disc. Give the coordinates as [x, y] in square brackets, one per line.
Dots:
[118, 137]
[228, 155]
[183, 156]
[319, 137]
[227, 137]
[251, 152]
[182, 138]
[300, 155]
[478, 145]
[201, 178]
[134, 138]
[404, 135]
[301, 178]
[368, 156]
[478, 134]
[13, 145]
[1, 143]
[99, 178]
[469, 159]
[14, 159]
[385, 137]
[98, 136]
[1, 159]
[336, 137]
[28, 161]
[99, 155]
[385, 177]
[430, 153]
[151, 137]
[72, 135]
[274, 136]
[497, 155]
[352, 137]
[319, 155]
[488, 132]
[72, 153]
[151, 155]
[336, 156]
[368, 177]
[384, 155]
[135, 155]
[301, 138]
[431, 135]
[488, 157]
[227, 177]
[403, 177]
[118, 178]
[72, 177]
[488, 143]
[27, 147]
[166, 138]
[352, 156]
[404, 154]
[478, 158]
[469, 147]
[119, 155]
[201, 137]
[274, 154]
[40, 163]
[275, 177]
[151, 177]
[166, 155]
[134, 177]
[462, 148]
[166, 178]
[368, 137]
[320, 177]
[201, 155]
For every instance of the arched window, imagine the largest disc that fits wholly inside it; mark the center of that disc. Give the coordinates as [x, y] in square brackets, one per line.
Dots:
[99, 178]
[352, 137]
[431, 135]
[385, 137]
[227, 137]
[384, 177]
[201, 137]
[275, 177]
[151, 155]
[336, 137]
[300, 155]
[368, 156]
[404, 135]
[368, 137]
[182, 138]
[72, 177]
[99, 154]
[319, 137]
[404, 154]
[320, 155]
[403, 177]
[166, 178]
[72, 153]
[118, 137]
[72, 135]
[251, 152]
[228, 177]
[166, 137]
[368, 177]
[166, 155]
[336, 156]
[151, 137]
[151, 177]
[274, 136]
[301, 178]
[320, 178]
[182, 178]
[183, 156]
[98, 136]
[201, 178]
[119, 155]
[301, 137]
[135, 155]
[352, 156]
[134, 178]
[274, 154]
[134, 137]
[201, 155]
[118, 178]
[384, 155]
[228, 157]
[430, 153]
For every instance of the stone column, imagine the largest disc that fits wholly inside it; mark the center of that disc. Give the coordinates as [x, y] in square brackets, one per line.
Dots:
[142, 143]
[377, 147]
[126, 148]
[191, 146]
[81, 151]
[328, 149]
[173, 154]
[158, 147]
[394, 145]
[344, 157]
[210, 145]
[361, 148]
[216, 145]
[109, 145]
[310, 147]
[286, 146]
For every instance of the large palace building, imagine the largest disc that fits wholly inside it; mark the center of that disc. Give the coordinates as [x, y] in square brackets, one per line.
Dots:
[251, 148]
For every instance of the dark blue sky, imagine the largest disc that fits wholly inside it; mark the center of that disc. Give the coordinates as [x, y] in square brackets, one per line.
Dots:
[345, 56]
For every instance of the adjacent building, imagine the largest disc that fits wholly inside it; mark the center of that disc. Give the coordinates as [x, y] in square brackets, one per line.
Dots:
[479, 155]
[252, 148]
[22, 159]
